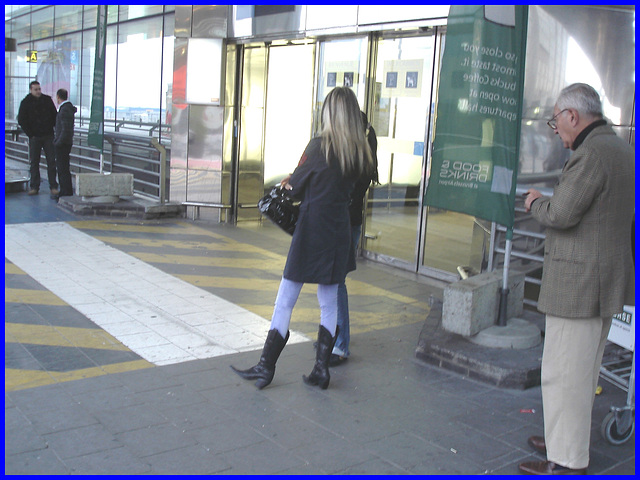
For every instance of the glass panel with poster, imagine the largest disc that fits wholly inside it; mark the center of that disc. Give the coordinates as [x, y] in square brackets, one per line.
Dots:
[402, 99]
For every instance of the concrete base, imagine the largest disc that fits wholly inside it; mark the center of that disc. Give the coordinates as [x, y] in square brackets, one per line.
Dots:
[101, 199]
[16, 180]
[516, 334]
[16, 185]
[134, 207]
[98, 184]
[505, 368]
[471, 305]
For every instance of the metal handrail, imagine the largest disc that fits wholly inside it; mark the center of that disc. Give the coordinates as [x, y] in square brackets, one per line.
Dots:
[150, 178]
[522, 234]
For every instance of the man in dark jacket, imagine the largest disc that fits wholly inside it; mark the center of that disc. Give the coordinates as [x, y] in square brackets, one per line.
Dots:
[63, 140]
[37, 117]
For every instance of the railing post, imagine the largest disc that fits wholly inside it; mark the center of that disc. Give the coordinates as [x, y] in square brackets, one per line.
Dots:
[163, 167]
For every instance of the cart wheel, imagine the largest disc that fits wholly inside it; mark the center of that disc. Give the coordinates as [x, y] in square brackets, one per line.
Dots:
[610, 431]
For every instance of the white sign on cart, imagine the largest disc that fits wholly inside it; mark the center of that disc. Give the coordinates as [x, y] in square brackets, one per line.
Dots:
[623, 328]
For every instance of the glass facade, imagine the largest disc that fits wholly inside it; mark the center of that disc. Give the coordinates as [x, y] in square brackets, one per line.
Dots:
[56, 46]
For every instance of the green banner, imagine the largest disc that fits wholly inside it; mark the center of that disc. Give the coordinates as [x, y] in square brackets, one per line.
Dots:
[475, 152]
[96, 121]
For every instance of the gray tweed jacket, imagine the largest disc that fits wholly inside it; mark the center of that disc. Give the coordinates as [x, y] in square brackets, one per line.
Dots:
[588, 267]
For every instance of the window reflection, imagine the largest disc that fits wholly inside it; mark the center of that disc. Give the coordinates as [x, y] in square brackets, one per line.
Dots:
[66, 60]
[42, 23]
[68, 18]
[58, 65]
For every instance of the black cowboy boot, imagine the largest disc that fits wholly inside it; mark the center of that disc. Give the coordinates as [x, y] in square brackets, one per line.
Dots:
[266, 367]
[320, 373]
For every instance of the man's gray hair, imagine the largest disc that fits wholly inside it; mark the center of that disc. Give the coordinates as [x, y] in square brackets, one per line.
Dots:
[581, 97]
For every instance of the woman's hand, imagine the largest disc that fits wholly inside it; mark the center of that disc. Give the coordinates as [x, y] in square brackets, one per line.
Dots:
[285, 183]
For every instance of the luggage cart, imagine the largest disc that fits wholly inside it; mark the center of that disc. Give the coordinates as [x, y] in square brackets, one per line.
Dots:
[618, 425]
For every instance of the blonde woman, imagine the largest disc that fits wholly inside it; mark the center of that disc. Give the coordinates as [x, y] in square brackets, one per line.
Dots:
[320, 249]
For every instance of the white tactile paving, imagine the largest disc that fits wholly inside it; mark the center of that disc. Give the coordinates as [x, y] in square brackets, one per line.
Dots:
[160, 317]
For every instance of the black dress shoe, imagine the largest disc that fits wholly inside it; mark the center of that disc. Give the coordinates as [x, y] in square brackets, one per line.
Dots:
[549, 468]
[537, 443]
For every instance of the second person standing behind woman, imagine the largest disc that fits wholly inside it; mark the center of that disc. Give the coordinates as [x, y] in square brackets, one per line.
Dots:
[320, 248]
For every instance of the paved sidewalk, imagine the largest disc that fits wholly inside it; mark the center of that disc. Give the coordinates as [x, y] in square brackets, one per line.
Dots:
[384, 412]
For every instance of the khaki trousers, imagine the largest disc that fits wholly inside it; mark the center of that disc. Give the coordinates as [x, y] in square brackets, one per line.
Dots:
[571, 360]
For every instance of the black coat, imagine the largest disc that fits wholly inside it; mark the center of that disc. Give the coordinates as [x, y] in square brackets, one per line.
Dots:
[64, 125]
[37, 116]
[320, 249]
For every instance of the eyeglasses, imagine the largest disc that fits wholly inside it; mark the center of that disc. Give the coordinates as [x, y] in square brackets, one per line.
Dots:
[553, 123]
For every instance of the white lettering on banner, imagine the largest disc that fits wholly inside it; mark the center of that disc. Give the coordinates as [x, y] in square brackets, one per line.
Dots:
[484, 62]
[464, 171]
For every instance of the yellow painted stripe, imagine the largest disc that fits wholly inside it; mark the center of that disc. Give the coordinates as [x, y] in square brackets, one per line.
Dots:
[61, 336]
[179, 228]
[221, 262]
[250, 284]
[187, 244]
[23, 379]
[10, 268]
[359, 322]
[354, 287]
[33, 297]
[123, 227]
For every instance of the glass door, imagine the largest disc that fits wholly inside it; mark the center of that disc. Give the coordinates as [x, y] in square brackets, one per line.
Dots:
[342, 63]
[452, 241]
[400, 117]
[288, 118]
[275, 117]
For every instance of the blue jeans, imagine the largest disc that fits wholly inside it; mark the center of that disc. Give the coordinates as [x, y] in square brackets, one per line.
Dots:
[287, 297]
[342, 342]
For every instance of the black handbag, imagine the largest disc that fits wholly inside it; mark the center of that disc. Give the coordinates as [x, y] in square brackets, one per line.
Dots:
[280, 208]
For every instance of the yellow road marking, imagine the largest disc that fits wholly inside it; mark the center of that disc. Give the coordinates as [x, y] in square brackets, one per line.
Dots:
[222, 262]
[62, 336]
[251, 284]
[188, 244]
[10, 268]
[33, 297]
[359, 322]
[354, 287]
[178, 228]
[124, 227]
[22, 379]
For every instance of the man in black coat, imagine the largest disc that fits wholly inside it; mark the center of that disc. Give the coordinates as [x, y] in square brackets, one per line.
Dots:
[63, 140]
[37, 117]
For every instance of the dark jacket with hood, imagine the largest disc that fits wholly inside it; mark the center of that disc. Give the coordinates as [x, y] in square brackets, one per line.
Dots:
[37, 115]
[64, 125]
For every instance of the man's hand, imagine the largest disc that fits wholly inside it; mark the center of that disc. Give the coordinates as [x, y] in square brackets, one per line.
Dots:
[531, 195]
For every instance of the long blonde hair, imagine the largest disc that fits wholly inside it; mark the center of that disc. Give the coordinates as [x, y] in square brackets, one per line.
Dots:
[343, 133]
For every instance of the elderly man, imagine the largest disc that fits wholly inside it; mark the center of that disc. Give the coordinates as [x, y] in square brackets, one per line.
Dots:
[588, 273]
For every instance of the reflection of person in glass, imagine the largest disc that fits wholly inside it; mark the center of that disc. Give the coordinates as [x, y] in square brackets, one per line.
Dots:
[320, 249]
[63, 140]
[37, 117]
[588, 273]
